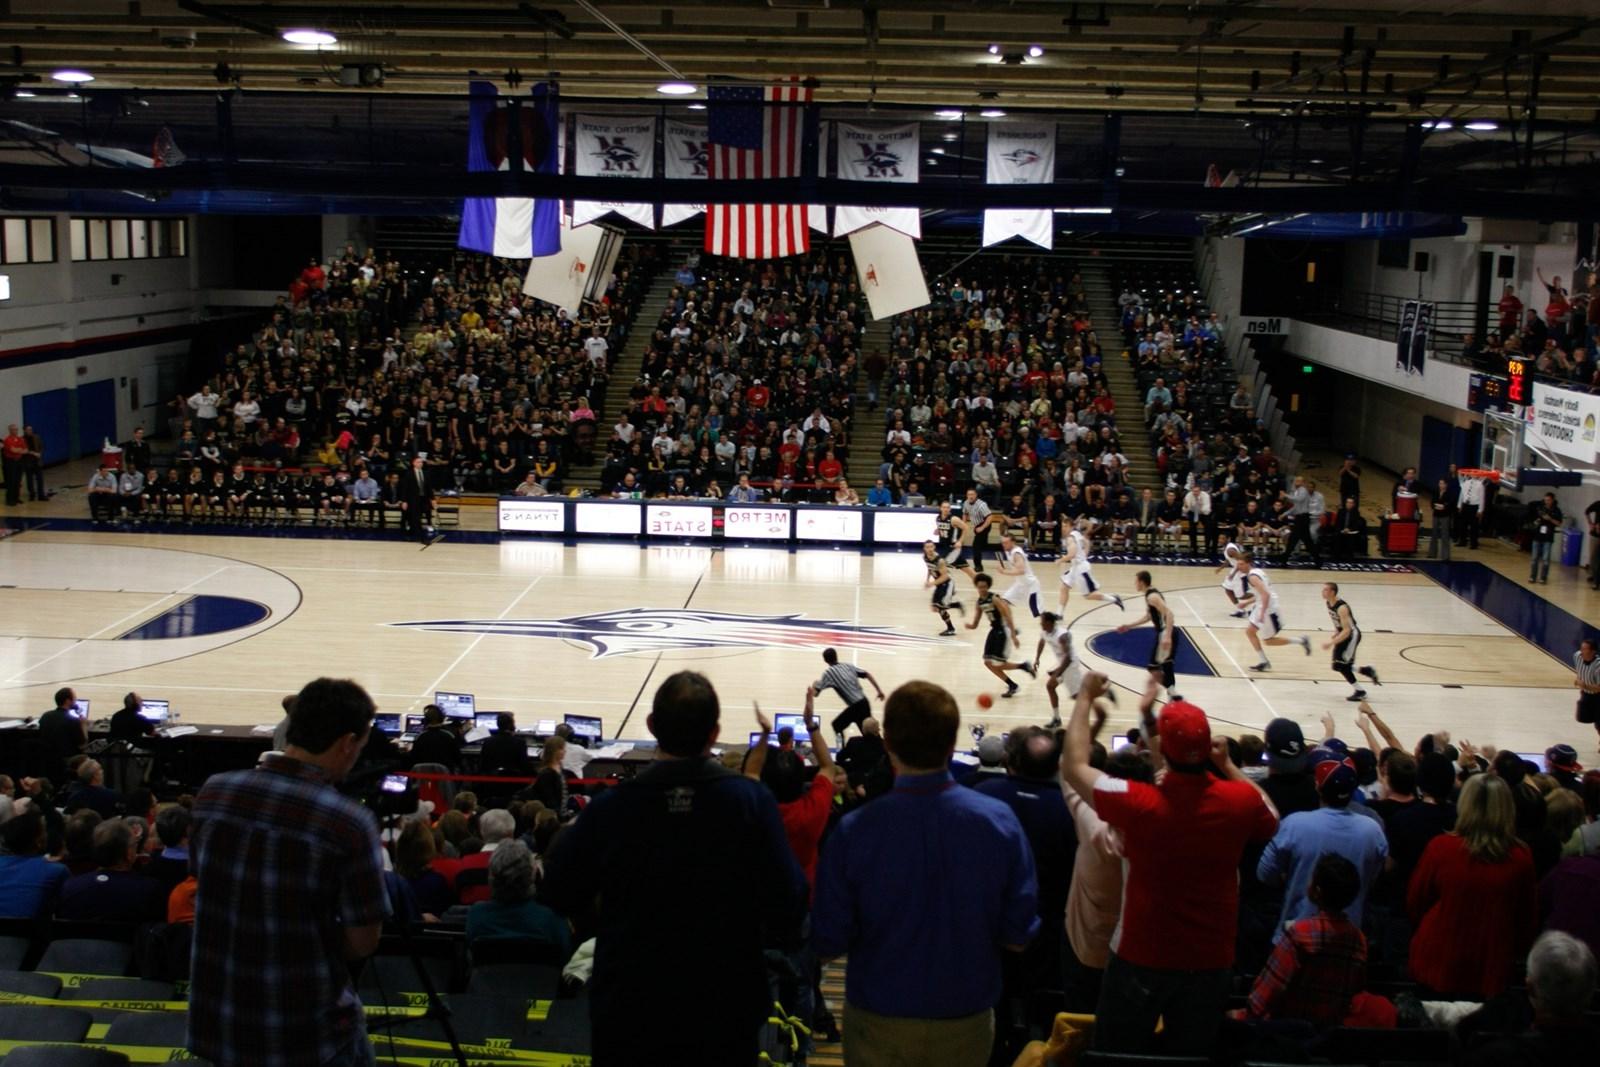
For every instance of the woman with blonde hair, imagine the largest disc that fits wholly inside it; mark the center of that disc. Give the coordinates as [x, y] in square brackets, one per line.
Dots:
[1473, 898]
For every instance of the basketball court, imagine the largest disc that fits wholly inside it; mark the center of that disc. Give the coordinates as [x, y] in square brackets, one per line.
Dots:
[224, 626]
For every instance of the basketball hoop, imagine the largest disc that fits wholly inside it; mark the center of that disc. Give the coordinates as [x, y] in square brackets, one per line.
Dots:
[165, 152]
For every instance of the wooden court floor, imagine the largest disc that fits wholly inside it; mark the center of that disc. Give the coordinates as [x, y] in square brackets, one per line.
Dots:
[223, 627]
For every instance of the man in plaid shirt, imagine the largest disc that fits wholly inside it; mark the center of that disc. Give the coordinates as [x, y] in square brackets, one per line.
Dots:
[290, 892]
[1321, 961]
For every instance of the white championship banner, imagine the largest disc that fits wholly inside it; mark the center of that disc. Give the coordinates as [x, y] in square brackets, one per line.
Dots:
[1020, 153]
[615, 146]
[889, 270]
[878, 154]
[685, 147]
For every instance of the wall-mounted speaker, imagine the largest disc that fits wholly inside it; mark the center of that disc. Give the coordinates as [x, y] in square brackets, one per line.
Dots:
[1420, 263]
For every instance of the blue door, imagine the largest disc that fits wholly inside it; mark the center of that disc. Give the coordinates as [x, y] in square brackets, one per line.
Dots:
[97, 415]
[46, 412]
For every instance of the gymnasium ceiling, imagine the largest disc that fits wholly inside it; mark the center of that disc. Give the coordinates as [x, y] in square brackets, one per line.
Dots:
[1399, 58]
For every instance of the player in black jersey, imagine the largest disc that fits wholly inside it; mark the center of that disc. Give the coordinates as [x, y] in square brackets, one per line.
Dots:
[1002, 634]
[1162, 655]
[948, 532]
[939, 581]
[1346, 639]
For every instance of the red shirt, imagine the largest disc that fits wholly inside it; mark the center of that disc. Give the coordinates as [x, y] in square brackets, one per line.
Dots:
[472, 894]
[1182, 840]
[803, 823]
[1474, 920]
[757, 396]
[15, 446]
[830, 469]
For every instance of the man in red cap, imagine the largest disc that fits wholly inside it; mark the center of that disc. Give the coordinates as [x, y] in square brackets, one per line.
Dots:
[1172, 952]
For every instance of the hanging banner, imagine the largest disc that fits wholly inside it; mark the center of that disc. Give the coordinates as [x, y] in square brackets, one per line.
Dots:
[686, 148]
[1413, 336]
[615, 146]
[878, 154]
[817, 214]
[560, 279]
[888, 269]
[1021, 153]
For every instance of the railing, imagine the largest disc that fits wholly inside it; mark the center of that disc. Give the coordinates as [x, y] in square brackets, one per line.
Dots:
[1378, 315]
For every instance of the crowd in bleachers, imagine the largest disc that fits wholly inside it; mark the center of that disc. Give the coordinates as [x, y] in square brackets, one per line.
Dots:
[314, 418]
[1559, 333]
[1351, 896]
[747, 387]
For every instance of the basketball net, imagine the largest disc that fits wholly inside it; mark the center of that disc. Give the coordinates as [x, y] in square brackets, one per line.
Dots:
[165, 152]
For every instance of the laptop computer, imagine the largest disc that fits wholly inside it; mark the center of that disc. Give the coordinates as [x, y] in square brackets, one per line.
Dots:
[154, 710]
[795, 722]
[485, 720]
[80, 709]
[388, 722]
[588, 728]
[456, 705]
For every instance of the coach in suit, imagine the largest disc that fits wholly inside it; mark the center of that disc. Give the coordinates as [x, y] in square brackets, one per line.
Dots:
[416, 491]
[1349, 531]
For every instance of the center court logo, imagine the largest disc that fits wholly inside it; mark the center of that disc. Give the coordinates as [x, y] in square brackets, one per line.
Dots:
[637, 630]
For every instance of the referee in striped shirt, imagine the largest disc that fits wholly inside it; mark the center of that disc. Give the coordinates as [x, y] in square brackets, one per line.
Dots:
[1586, 664]
[845, 679]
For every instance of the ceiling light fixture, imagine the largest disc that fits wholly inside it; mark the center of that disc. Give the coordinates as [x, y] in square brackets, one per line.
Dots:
[23, 94]
[947, 114]
[952, 136]
[994, 50]
[992, 113]
[306, 35]
[72, 76]
[1439, 124]
[677, 88]
[1083, 211]
[1482, 126]
[697, 107]
[938, 151]
[1035, 51]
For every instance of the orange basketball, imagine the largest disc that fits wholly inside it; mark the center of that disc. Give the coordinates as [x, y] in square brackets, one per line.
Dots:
[985, 701]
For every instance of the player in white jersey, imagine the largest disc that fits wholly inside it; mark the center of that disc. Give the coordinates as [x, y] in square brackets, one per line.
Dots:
[1015, 564]
[1077, 573]
[1265, 620]
[1053, 634]
[1234, 583]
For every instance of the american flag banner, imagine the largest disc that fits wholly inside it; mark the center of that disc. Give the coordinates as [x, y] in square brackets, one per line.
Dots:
[752, 140]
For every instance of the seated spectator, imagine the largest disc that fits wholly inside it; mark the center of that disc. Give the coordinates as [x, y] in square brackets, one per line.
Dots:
[413, 861]
[472, 883]
[509, 911]
[1562, 977]
[169, 865]
[1306, 838]
[91, 792]
[29, 883]
[438, 742]
[1320, 961]
[1473, 898]
[113, 893]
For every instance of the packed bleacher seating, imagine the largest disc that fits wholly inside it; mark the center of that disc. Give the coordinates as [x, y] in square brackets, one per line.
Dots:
[750, 372]
[1558, 329]
[1429, 901]
[306, 421]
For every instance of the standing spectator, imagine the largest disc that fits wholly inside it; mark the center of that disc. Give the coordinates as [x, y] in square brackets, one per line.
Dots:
[33, 464]
[1585, 676]
[1510, 309]
[1473, 897]
[11, 452]
[1446, 499]
[1094, 901]
[1546, 522]
[1031, 788]
[1591, 515]
[1350, 478]
[1306, 837]
[1172, 955]
[416, 494]
[1469, 509]
[691, 862]
[924, 888]
[1349, 531]
[271, 980]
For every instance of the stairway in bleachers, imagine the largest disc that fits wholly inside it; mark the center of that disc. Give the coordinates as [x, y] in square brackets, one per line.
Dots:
[1117, 365]
[627, 367]
[866, 430]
